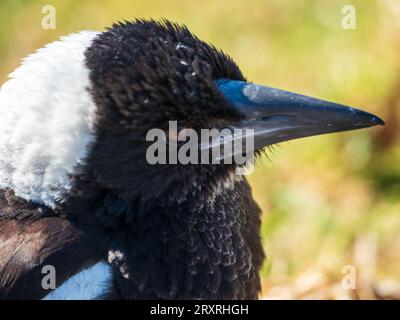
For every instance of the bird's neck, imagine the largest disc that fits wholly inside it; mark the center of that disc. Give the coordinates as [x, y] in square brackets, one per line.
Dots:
[187, 251]
[205, 247]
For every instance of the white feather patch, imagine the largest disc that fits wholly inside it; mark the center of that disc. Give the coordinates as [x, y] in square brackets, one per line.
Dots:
[89, 284]
[46, 120]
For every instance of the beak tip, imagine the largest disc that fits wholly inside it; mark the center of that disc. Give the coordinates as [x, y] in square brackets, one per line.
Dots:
[369, 119]
[376, 121]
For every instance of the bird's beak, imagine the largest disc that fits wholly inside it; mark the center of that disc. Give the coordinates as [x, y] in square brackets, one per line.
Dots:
[277, 115]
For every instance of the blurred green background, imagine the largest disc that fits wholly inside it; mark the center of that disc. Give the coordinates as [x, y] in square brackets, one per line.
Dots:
[327, 201]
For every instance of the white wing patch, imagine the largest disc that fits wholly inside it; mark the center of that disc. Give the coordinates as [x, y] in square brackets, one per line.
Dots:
[46, 120]
[89, 284]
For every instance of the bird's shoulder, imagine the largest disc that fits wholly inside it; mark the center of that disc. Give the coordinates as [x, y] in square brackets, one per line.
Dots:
[34, 242]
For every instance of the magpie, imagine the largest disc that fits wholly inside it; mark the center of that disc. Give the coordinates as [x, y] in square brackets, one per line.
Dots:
[78, 196]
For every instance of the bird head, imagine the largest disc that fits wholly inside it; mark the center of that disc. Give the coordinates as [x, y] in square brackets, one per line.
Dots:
[146, 74]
